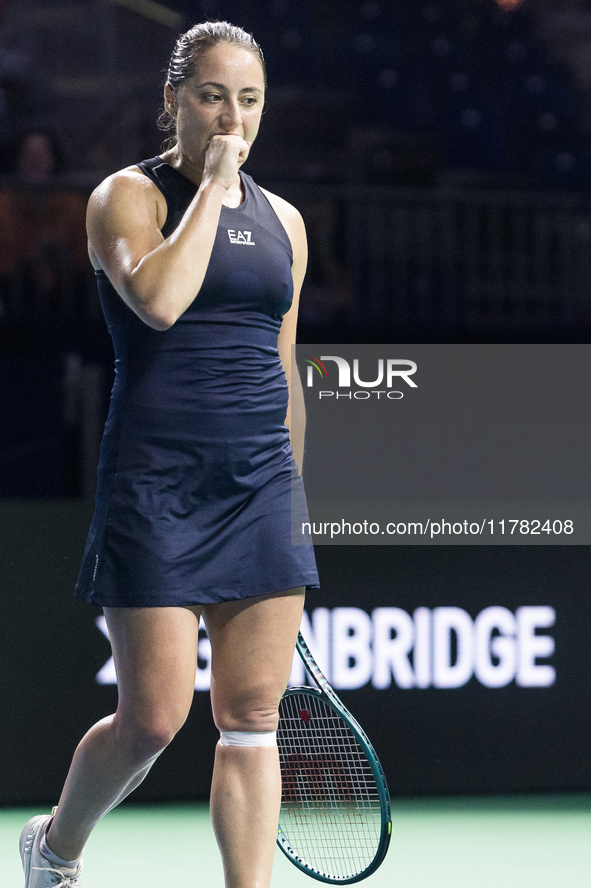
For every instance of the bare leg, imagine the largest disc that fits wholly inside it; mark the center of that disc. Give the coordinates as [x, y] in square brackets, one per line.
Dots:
[155, 651]
[245, 799]
[253, 643]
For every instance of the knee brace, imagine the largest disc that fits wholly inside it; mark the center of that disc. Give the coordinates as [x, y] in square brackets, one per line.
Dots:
[248, 738]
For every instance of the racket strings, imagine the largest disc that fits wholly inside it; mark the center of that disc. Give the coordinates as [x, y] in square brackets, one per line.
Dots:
[330, 808]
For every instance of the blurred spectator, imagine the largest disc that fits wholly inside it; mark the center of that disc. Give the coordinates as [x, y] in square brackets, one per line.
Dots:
[37, 156]
[43, 258]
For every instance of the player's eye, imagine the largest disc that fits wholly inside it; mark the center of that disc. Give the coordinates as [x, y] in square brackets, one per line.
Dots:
[211, 97]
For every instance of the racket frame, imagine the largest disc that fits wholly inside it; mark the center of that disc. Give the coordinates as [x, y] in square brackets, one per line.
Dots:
[327, 694]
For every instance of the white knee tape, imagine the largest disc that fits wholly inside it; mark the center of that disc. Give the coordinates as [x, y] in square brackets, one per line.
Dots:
[248, 738]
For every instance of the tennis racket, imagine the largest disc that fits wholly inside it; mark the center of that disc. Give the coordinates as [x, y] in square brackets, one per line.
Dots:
[334, 822]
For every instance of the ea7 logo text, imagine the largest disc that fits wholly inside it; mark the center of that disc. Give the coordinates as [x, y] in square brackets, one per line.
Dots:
[240, 237]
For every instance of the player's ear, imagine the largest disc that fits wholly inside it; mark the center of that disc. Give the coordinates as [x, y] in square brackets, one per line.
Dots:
[169, 98]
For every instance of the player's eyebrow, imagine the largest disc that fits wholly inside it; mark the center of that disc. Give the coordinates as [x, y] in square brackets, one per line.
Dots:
[221, 86]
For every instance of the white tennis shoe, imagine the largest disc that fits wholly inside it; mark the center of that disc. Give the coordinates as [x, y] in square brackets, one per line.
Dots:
[39, 872]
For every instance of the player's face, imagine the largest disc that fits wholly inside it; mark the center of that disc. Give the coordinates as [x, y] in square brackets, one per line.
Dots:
[224, 96]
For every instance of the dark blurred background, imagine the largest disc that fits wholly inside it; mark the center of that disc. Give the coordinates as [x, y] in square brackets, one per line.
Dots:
[438, 150]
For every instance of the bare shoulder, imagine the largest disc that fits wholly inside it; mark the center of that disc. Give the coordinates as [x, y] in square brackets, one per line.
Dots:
[126, 207]
[124, 186]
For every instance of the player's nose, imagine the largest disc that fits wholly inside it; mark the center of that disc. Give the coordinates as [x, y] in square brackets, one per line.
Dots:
[231, 117]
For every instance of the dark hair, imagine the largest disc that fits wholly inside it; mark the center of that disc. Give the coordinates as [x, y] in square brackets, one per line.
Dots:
[189, 49]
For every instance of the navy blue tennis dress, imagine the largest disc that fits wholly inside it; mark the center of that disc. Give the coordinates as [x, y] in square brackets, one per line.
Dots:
[196, 476]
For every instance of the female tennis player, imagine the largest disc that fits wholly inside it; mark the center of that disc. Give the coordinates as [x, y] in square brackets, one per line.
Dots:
[199, 272]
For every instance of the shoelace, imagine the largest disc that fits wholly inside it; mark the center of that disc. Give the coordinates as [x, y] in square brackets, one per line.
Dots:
[65, 881]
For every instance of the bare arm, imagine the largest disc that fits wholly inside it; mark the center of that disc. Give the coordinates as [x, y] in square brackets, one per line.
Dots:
[296, 415]
[159, 277]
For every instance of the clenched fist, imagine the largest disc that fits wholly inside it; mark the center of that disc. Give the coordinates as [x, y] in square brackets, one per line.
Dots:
[224, 156]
